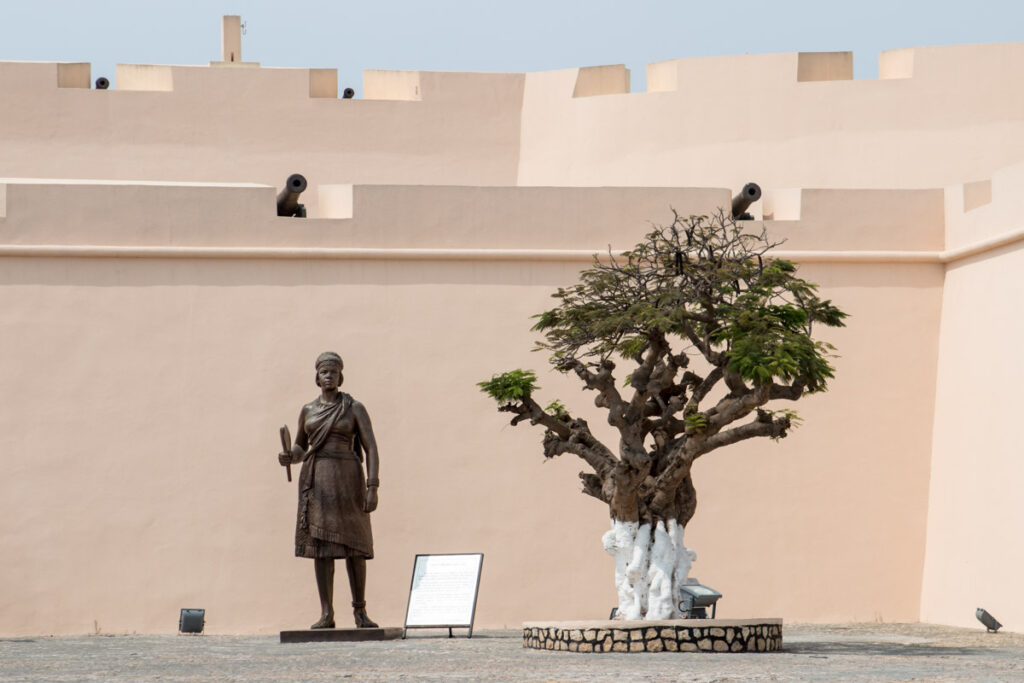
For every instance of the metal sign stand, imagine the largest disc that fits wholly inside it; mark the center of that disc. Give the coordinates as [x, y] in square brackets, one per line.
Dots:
[444, 580]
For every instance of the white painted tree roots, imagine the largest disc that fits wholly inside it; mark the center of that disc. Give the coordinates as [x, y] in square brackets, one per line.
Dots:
[649, 568]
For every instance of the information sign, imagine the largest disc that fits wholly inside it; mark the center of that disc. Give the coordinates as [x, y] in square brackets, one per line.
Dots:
[443, 592]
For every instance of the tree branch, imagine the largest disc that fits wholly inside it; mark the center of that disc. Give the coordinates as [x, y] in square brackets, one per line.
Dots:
[705, 385]
[773, 427]
[528, 409]
[732, 408]
[789, 393]
[652, 376]
[603, 382]
[735, 383]
[593, 486]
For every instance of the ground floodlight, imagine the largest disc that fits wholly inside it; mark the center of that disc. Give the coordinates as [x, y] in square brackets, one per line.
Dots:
[987, 620]
[191, 620]
[695, 599]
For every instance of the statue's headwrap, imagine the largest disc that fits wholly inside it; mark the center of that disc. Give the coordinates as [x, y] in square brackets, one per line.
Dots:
[329, 357]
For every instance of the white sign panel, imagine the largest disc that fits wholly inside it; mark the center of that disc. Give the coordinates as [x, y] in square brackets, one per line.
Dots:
[443, 591]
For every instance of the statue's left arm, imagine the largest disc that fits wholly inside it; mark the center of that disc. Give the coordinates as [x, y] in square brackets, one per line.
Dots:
[369, 444]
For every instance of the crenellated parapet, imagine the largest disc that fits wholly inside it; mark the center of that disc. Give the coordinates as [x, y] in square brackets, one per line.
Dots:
[422, 222]
[787, 120]
[512, 223]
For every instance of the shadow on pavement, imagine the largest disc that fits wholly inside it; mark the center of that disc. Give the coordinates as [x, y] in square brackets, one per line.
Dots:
[879, 649]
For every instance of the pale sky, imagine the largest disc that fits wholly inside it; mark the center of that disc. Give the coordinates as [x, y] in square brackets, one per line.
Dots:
[487, 35]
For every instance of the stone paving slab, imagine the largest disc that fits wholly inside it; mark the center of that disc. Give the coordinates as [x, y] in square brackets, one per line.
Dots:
[850, 652]
[339, 635]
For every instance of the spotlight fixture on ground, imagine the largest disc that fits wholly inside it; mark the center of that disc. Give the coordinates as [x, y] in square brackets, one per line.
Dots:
[696, 599]
[987, 620]
[192, 620]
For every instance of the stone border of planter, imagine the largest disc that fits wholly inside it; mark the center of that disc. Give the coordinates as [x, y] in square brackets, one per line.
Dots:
[679, 635]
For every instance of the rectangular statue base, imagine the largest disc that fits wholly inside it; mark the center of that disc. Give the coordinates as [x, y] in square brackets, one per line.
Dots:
[340, 635]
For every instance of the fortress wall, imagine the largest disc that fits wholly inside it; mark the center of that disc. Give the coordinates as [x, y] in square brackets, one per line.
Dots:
[61, 212]
[247, 124]
[975, 510]
[726, 120]
[984, 208]
[832, 515]
[864, 220]
[192, 283]
[937, 117]
[140, 448]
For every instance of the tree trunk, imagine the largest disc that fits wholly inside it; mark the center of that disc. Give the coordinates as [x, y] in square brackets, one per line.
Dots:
[649, 568]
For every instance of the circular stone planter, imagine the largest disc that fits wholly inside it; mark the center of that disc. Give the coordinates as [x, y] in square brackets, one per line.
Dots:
[677, 635]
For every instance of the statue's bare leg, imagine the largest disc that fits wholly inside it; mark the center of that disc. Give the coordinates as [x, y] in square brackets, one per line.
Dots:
[324, 569]
[357, 582]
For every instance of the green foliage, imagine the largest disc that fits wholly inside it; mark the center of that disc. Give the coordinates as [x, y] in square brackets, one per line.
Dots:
[511, 386]
[696, 422]
[557, 408]
[768, 341]
[707, 283]
[794, 419]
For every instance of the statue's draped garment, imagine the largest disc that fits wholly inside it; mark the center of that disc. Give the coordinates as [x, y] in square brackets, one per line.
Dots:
[332, 488]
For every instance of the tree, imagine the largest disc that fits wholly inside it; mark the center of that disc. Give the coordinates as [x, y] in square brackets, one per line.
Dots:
[712, 330]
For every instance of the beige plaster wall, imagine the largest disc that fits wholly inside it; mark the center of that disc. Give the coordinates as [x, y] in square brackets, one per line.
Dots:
[785, 120]
[145, 395]
[145, 214]
[938, 116]
[202, 293]
[984, 208]
[232, 124]
[822, 524]
[975, 512]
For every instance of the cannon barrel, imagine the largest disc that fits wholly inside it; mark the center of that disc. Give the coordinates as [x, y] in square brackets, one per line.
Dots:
[288, 198]
[102, 83]
[750, 193]
[348, 94]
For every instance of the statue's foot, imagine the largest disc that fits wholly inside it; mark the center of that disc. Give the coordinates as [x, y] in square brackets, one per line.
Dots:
[363, 621]
[326, 621]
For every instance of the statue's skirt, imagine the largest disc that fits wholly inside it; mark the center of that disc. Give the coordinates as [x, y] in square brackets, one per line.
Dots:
[331, 522]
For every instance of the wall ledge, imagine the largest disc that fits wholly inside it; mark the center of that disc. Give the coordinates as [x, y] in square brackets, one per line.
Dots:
[563, 255]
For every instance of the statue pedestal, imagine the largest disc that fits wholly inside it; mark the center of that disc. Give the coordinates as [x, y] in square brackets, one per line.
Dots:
[340, 635]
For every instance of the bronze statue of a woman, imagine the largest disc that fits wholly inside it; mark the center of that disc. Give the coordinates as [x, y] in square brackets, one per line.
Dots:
[335, 501]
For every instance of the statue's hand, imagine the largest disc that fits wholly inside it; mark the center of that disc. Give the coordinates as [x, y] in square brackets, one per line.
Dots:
[284, 458]
[371, 499]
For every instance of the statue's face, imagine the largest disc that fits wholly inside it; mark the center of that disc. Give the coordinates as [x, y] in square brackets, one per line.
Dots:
[329, 375]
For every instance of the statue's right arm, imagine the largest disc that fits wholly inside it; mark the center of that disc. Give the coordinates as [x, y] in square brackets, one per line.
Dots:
[298, 452]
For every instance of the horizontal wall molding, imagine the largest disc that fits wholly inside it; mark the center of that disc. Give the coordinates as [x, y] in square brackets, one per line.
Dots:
[293, 253]
[983, 246]
[541, 255]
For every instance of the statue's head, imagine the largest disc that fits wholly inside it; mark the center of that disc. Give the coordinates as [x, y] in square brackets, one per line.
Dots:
[328, 369]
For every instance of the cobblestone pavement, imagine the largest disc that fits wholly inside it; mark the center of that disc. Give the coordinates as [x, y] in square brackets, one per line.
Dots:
[850, 652]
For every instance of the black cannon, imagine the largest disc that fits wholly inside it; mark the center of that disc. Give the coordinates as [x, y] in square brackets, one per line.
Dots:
[750, 193]
[348, 94]
[288, 198]
[102, 83]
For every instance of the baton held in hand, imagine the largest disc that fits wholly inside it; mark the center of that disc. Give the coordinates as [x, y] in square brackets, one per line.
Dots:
[286, 444]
